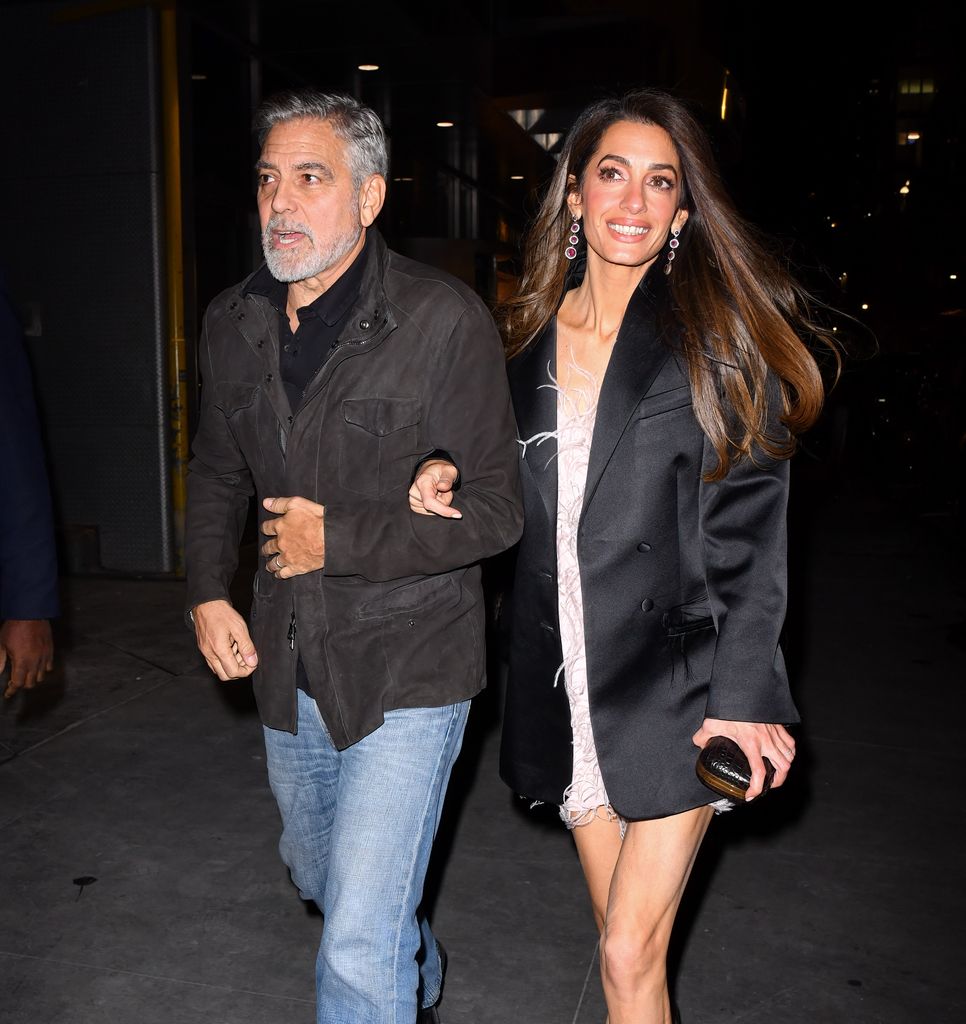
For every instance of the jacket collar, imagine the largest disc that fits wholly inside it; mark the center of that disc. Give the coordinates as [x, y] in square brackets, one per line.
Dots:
[535, 403]
[635, 362]
[368, 326]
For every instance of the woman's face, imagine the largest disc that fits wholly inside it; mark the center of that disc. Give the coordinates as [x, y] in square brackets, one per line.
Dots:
[628, 200]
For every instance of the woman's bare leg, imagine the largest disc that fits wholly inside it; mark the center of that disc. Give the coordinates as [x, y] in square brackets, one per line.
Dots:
[598, 847]
[646, 884]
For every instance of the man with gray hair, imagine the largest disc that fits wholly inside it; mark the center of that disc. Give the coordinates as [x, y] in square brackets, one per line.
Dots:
[330, 375]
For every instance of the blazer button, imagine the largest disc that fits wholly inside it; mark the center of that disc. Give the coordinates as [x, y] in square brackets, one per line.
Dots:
[364, 325]
[647, 604]
[643, 546]
[269, 377]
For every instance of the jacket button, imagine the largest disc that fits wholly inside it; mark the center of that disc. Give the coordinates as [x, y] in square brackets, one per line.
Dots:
[647, 604]
[643, 546]
[261, 342]
[232, 305]
[269, 377]
[364, 325]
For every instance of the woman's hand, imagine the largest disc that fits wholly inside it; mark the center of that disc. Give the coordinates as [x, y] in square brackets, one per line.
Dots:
[757, 740]
[432, 491]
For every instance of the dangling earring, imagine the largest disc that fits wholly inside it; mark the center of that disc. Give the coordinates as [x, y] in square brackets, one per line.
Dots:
[674, 243]
[571, 251]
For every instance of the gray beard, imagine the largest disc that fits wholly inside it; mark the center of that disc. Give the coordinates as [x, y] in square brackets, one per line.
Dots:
[289, 267]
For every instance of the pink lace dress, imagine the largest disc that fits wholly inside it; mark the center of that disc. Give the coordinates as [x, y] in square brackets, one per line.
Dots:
[585, 798]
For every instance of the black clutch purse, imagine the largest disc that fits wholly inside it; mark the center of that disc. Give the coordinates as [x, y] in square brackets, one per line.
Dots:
[723, 768]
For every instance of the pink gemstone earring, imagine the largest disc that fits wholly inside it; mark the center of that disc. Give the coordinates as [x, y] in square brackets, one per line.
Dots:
[674, 243]
[571, 251]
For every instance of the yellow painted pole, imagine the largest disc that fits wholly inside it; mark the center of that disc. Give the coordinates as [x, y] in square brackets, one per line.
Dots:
[174, 266]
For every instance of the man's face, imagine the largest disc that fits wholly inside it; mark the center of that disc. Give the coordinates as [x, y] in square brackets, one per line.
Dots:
[308, 206]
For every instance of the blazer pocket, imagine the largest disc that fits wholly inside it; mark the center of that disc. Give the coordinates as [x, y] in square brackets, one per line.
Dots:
[421, 596]
[378, 444]
[685, 618]
[667, 401]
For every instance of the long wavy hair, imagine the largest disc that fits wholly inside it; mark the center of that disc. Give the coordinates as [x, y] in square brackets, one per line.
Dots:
[737, 313]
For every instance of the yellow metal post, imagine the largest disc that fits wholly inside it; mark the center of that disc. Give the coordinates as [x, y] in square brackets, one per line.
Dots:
[174, 266]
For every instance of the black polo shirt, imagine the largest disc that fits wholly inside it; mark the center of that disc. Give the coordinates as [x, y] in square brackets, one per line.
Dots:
[301, 355]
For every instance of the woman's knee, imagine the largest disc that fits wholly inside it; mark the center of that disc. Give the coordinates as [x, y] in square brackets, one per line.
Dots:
[632, 956]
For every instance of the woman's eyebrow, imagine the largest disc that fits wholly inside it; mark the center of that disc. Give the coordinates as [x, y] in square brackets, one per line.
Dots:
[623, 160]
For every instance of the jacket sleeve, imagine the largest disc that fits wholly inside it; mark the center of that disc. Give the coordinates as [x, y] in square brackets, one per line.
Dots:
[471, 418]
[219, 489]
[744, 541]
[28, 558]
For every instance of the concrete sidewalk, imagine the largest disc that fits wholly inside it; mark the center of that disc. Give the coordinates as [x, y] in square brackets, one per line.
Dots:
[839, 899]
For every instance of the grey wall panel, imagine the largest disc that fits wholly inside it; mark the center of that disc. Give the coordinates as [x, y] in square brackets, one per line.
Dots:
[81, 237]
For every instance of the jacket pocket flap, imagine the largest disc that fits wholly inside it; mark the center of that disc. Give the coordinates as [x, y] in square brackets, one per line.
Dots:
[411, 597]
[230, 396]
[381, 416]
[685, 617]
[666, 401]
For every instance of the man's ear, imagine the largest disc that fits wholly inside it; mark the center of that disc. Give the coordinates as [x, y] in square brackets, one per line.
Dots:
[372, 194]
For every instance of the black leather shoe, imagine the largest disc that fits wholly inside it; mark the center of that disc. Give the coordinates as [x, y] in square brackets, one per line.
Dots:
[429, 1014]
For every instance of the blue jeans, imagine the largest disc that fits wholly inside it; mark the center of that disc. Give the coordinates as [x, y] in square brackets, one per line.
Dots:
[357, 830]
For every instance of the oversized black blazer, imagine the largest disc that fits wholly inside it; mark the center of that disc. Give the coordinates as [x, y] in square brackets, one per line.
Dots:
[683, 581]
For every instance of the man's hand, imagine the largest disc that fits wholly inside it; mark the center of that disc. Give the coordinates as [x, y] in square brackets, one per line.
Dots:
[29, 645]
[432, 491]
[224, 640]
[296, 538]
[756, 740]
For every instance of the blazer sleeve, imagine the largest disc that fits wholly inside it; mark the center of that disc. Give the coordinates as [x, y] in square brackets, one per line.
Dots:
[471, 418]
[742, 520]
[28, 557]
[219, 488]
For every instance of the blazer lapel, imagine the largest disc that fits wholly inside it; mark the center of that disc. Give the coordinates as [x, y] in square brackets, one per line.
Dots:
[636, 360]
[535, 406]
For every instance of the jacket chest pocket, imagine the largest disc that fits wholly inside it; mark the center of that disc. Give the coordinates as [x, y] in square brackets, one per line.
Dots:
[378, 444]
[242, 407]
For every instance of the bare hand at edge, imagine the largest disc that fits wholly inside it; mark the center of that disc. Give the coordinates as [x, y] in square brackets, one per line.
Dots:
[29, 646]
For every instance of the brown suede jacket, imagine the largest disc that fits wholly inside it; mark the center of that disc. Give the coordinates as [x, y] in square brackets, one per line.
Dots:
[395, 617]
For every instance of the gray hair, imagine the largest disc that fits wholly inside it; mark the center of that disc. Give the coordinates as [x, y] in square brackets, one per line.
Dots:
[357, 126]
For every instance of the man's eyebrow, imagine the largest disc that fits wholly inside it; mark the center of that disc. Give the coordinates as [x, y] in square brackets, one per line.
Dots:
[323, 170]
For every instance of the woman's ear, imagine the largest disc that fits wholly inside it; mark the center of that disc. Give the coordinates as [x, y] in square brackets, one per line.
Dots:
[680, 219]
[573, 197]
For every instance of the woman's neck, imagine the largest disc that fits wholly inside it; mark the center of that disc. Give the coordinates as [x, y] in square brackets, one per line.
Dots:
[596, 307]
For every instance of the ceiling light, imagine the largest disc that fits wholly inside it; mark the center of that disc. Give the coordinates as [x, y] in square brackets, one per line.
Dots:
[444, 124]
[368, 67]
[516, 177]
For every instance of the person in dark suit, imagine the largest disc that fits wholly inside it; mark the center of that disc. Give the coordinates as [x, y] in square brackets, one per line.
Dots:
[28, 558]
[658, 379]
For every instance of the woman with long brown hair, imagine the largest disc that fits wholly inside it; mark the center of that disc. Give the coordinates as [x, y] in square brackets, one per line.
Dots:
[659, 379]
